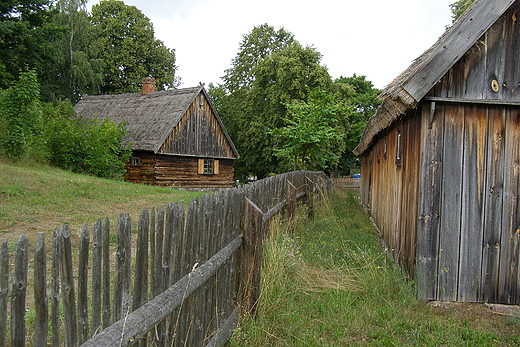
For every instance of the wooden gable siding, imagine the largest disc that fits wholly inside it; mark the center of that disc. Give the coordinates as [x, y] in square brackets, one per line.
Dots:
[489, 69]
[468, 233]
[198, 133]
[177, 171]
[390, 192]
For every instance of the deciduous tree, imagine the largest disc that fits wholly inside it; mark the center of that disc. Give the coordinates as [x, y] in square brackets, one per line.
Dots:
[312, 133]
[129, 49]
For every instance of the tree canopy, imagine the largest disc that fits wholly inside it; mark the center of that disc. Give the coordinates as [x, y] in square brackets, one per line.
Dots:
[75, 53]
[271, 76]
[129, 49]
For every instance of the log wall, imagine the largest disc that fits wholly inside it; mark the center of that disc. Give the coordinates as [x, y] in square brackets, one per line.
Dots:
[177, 172]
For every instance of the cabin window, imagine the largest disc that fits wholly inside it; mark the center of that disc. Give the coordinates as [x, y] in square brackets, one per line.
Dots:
[208, 167]
[136, 161]
[398, 150]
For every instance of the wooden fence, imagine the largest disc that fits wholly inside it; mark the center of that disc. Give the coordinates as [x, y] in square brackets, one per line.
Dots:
[182, 284]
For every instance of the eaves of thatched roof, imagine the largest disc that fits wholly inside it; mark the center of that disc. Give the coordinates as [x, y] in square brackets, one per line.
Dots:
[407, 90]
[151, 118]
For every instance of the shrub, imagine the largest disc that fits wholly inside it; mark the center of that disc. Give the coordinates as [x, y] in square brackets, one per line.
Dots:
[85, 147]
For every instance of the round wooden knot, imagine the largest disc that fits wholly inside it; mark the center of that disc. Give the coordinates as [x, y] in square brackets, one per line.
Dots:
[494, 86]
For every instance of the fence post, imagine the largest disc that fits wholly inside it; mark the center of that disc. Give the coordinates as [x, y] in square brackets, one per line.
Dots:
[291, 200]
[55, 296]
[40, 292]
[67, 288]
[123, 270]
[309, 195]
[105, 277]
[96, 277]
[83, 284]
[253, 231]
[18, 292]
[4, 291]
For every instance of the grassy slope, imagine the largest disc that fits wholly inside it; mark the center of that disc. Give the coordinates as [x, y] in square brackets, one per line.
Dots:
[37, 198]
[327, 282]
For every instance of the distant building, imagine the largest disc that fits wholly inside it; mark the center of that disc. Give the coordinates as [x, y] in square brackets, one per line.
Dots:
[177, 137]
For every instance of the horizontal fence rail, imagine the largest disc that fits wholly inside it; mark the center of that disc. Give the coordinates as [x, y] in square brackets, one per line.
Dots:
[177, 278]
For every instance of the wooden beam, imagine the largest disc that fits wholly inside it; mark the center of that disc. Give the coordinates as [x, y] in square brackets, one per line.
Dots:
[473, 101]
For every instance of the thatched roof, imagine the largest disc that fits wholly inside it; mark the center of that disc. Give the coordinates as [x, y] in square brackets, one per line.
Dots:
[151, 118]
[405, 92]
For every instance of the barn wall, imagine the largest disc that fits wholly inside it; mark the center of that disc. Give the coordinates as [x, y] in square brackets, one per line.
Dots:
[198, 133]
[489, 70]
[468, 232]
[177, 171]
[389, 190]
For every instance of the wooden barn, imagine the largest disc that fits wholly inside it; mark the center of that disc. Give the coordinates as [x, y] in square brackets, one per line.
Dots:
[440, 160]
[177, 137]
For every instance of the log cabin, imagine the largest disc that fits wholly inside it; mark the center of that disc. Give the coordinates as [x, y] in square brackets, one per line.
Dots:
[178, 139]
[440, 161]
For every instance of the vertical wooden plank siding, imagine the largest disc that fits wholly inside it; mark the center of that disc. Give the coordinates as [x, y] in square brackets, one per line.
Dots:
[430, 185]
[493, 203]
[449, 240]
[198, 133]
[508, 278]
[473, 194]
[388, 189]
[410, 167]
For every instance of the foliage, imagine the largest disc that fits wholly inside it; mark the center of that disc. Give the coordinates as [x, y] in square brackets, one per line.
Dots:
[270, 70]
[312, 132]
[259, 44]
[129, 48]
[459, 7]
[364, 97]
[27, 36]
[80, 65]
[85, 147]
[20, 113]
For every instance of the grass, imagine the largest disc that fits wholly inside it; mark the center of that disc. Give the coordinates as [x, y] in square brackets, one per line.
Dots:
[328, 282]
[37, 198]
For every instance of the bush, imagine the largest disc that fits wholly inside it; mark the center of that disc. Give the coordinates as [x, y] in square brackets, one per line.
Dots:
[20, 113]
[85, 147]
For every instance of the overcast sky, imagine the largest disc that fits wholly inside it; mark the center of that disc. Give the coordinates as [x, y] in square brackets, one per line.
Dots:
[375, 38]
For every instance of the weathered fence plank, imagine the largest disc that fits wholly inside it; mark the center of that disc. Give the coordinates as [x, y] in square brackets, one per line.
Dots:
[97, 254]
[18, 293]
[70, 321]
[55, 296]
[83, 330]
[105, 236]
[123, 262]
[4, 291]
[151, 313]
[41, 318]
[141, 262]
[141, 267]
[253, 228]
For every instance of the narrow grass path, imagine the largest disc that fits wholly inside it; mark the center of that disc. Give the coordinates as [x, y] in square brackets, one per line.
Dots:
[328, 282]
